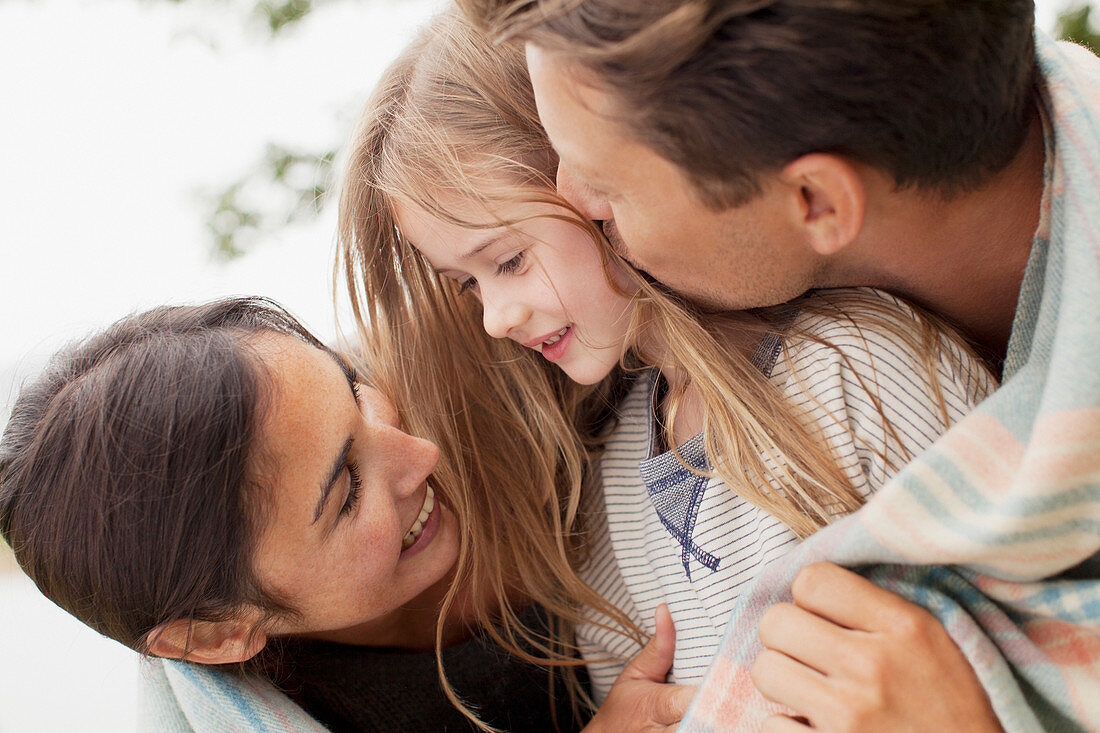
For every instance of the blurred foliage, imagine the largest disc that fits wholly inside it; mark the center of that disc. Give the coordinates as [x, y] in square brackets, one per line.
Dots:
[275, 14]
[1073, 25]
[281, 14]
[283, 187]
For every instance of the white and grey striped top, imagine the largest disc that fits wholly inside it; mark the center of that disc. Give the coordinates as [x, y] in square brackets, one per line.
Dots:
[670, 536]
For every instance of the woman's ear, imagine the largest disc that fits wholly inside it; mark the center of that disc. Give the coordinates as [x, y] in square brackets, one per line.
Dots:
[833, 200]
[207, 642]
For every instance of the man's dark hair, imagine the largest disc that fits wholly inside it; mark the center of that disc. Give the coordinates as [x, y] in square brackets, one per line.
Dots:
[937, 93]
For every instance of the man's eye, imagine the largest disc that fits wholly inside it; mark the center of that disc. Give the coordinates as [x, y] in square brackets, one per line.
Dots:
[594, 192]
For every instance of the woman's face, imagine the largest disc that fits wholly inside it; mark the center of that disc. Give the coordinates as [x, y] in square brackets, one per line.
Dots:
[351, 534]
[541, 282]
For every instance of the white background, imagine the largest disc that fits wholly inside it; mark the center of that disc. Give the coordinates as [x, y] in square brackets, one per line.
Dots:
[115, 117]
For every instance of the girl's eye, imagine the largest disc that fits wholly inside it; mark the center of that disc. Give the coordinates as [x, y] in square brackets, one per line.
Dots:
[511, 265]
[504, 268]
[355, 488]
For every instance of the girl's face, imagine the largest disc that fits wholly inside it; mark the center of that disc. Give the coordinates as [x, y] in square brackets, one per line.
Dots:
[541, 282]
[350, 533]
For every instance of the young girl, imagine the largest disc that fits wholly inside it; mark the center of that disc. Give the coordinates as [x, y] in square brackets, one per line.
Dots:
[739, 432]
[212, 483]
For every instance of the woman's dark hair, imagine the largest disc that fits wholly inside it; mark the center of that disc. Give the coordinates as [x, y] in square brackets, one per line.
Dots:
[127, 490]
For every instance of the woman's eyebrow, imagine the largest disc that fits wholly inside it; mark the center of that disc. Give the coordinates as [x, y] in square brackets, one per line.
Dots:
[349, 373]
[326, 485]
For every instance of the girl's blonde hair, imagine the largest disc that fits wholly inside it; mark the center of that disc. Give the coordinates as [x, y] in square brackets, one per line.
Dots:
[454, 119]
[516, 436]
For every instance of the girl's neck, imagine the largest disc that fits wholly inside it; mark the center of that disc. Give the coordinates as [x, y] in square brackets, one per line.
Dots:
[690, 409]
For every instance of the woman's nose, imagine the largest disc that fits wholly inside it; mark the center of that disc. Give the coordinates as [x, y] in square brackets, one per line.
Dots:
[377, 408]
[408, 458]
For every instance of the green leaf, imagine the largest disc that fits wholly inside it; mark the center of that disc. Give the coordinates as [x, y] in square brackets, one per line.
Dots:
[1073, 25]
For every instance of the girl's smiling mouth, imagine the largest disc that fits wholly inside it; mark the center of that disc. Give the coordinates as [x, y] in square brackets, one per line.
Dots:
[548, 339]
[554, 347]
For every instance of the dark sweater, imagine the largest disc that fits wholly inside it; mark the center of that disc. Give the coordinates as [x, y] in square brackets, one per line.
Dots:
[352, 688]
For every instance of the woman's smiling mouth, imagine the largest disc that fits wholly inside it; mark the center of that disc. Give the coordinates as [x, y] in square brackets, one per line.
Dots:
[425, 520]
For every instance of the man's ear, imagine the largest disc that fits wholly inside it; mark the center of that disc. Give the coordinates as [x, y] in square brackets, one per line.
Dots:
[207, 642]
[833, 199]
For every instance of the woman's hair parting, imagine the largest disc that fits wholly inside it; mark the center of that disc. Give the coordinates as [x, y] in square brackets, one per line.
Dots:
[128, 487]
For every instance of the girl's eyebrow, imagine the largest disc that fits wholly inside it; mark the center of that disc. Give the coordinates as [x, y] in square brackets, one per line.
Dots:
[493, 239]
[328, 483]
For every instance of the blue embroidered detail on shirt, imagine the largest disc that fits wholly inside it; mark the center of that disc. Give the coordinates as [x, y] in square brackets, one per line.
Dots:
[676, 494]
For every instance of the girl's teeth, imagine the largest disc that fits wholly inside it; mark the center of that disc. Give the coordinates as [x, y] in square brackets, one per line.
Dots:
[418, 526]
[554, 339]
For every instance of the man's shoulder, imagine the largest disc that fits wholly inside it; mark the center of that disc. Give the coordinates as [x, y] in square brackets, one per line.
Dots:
[844, 319]
[870, 337]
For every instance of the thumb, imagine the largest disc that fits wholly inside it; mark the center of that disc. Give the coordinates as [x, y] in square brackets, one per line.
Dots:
[655, 659]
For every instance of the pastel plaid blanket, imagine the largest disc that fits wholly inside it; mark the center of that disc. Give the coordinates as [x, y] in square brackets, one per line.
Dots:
[996, 529]
[180, 697]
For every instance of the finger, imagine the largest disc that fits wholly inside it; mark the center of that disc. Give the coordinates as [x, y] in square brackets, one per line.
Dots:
[671, 703]
[655, 659]
[805, 637]
[788, 682]
[664, 635]
[850, 600]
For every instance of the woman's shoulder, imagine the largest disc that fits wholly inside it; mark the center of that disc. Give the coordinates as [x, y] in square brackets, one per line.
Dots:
[185, 696]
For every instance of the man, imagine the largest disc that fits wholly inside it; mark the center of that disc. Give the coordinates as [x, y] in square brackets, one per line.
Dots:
[744, 151]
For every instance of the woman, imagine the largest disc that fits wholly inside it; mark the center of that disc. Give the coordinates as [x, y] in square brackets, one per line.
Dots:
[212, 484]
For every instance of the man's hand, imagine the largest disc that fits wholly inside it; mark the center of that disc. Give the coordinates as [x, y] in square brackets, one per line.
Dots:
[850, 656]
[640, 699]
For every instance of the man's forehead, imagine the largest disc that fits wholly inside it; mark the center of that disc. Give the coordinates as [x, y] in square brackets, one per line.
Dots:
[553, 74]
[581, 119]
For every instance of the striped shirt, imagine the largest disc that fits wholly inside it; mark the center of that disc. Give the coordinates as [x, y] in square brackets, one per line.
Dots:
[670, 536]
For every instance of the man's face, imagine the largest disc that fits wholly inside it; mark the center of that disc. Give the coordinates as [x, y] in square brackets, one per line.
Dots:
[741, 257]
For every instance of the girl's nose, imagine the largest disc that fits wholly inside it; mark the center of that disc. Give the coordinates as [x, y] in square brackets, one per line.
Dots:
[501, 315]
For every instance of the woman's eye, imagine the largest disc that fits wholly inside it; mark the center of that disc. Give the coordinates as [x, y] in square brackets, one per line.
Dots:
[511, 265]
[466, 284]
[355, 488]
